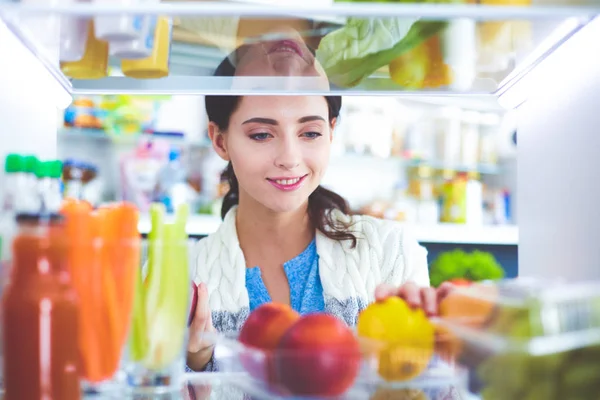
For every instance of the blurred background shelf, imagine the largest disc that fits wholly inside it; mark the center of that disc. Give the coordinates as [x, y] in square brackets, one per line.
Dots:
[203, 225]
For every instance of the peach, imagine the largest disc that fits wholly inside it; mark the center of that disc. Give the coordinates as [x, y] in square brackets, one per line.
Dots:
[261, 333]
[318, 356]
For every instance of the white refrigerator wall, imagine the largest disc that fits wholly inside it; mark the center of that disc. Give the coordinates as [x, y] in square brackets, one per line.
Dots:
[28, 102]
[559, 164]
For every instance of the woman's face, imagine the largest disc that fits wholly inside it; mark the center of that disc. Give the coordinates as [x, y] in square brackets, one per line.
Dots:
[279, 147]
[289, 57]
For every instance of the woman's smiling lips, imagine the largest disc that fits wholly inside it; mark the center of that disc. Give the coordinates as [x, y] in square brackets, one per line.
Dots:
[287, 183]
[286, 46]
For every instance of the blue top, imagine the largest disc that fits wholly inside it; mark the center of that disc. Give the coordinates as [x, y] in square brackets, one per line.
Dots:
[306, 290]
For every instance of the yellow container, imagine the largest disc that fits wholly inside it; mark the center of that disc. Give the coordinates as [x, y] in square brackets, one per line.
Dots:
[157, 64]
[93, 64]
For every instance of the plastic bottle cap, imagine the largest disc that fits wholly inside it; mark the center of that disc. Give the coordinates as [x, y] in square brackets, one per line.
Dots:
[49, 169]
[14, 163]
[173, 154]
[30, 164]
[55, 169]
[41, 169]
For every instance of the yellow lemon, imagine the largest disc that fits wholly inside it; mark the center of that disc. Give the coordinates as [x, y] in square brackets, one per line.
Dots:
[399, 394]
[404, 338]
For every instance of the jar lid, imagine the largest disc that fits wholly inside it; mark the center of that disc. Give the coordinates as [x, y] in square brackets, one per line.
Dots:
[14, 163]
[49, 169]
[30, 164]
[39, 218]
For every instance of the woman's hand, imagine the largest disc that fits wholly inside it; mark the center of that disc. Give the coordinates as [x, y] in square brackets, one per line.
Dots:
[199, 351]
[427, 298]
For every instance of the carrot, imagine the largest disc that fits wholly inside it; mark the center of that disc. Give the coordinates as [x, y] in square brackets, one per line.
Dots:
[126, 263]
[97, 303]
[78, 227]
[109, 305]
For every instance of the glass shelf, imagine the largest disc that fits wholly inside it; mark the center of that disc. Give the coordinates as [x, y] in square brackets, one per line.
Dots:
[339, 48]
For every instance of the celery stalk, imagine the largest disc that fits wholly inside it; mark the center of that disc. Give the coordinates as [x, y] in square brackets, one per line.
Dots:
[139, 339]
[167, 316]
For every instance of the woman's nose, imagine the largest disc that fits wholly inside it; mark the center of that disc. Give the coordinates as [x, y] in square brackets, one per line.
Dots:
[288, 156]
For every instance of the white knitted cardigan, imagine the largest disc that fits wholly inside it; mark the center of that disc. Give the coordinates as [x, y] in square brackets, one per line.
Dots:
[385, 253]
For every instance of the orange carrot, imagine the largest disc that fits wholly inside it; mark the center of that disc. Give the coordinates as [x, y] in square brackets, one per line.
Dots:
[78, 225]
[109, 312]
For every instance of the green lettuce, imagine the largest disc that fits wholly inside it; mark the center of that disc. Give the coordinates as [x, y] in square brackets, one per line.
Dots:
[354, 52]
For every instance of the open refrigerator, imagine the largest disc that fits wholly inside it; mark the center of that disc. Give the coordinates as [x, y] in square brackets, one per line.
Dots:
[541, 61]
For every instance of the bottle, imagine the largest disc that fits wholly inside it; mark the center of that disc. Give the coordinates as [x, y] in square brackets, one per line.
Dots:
[27, 196]
[49, 185]
[18, 195]
[172, 186]
[13, 167]
[40, 314]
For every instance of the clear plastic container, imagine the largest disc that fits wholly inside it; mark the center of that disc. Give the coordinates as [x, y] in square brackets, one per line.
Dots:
[321, 373]
[523, 339]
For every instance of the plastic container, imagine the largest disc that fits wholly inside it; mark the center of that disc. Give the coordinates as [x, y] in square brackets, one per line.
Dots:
[268, 374]
[523, 339]
[40, 314]
[136, 48]
[156, 65]
[73, 37]
[93, 64]
[119, 28]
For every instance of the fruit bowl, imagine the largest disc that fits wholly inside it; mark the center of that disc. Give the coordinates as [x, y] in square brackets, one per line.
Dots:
[526, 339]
[331, 374]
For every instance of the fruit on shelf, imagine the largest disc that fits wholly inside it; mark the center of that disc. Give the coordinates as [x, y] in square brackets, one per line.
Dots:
[520, 353]
[318, 356]
[265, 327]
[263, 331]
[471, 307]
[423, 67]
[460, 282]
[399, 394]
[403, 338]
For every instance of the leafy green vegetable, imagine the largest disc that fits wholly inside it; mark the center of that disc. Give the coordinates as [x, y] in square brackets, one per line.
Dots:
[455, 264]
[355, 51]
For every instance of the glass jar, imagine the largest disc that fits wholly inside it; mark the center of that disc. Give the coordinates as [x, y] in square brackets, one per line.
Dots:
[40, 314]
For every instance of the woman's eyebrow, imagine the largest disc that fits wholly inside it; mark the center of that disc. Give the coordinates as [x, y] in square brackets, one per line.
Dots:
[260, 120]
[270, 121]
[310, 118]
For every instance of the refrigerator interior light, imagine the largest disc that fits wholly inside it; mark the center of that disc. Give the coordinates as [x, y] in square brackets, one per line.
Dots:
[26, 71]
[555, 65]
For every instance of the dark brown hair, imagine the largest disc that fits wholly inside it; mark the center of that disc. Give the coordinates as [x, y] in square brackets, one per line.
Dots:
[320, 202]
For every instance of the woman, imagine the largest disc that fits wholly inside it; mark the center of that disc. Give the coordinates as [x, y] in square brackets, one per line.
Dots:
[285, 238]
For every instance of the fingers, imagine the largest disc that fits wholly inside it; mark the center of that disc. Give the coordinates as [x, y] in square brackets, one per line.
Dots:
[202, 321]
[384, 291]
[410, 293]
[444, 290]
[426, 298]
[429, 302]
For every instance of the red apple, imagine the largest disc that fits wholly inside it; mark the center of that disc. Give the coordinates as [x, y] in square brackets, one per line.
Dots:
[261, 333]
[318, 356]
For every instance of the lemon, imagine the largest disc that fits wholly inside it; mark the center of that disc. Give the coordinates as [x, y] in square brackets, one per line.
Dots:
[399, 394]
[404, 337]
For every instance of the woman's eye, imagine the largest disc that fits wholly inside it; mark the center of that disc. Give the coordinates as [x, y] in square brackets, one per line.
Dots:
[311, 135]
[259, 136]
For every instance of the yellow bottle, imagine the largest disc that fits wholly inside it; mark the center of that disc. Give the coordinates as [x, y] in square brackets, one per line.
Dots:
[93, 64]
[157, 64]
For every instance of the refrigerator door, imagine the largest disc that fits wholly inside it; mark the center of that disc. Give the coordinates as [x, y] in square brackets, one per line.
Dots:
[559, 168]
